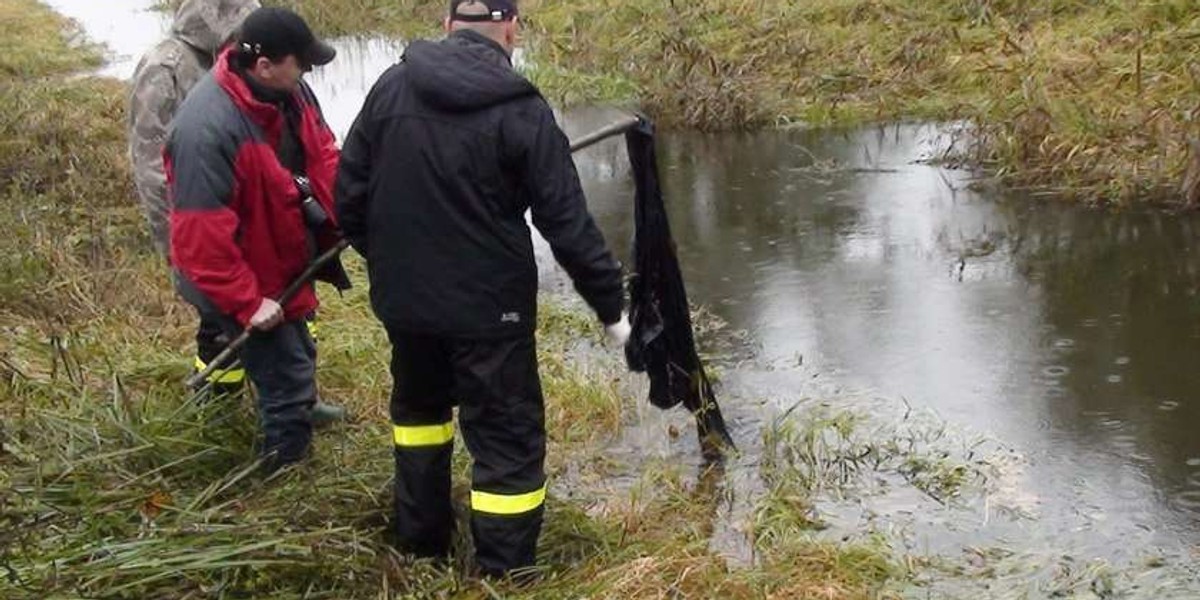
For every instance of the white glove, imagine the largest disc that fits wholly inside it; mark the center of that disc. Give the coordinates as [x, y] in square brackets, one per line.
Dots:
[618, 333]
[268, 315]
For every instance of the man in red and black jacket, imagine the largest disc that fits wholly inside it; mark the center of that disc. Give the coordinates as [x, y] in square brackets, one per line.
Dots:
[250, 166]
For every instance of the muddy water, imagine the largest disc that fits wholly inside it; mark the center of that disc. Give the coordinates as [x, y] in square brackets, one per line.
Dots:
[859, 272]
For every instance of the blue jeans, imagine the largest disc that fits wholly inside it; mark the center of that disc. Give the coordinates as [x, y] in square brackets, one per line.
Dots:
[281, 363]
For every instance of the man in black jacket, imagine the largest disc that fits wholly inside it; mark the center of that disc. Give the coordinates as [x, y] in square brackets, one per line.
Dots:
[451, 148]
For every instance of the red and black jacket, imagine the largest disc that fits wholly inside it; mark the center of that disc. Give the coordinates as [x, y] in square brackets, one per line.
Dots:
[238, 233]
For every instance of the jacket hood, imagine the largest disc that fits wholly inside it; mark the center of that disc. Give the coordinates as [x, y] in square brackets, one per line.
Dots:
[464, 72]
[207, 24]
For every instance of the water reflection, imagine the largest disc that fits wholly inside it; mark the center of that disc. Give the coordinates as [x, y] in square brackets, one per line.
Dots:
[1064, 331]
[342, 85]
[1124, 287]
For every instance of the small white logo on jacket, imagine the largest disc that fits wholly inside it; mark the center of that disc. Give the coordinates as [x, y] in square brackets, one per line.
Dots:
[510, 317]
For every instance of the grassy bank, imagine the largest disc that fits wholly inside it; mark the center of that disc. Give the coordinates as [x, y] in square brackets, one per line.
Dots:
[116, 484]
[1088, 99]
[1092, 100]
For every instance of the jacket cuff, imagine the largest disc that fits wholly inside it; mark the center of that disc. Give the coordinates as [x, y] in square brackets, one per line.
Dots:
[610, 312]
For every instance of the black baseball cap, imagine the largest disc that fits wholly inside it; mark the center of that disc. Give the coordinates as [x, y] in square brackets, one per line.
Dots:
[277, 32]
[498, 10]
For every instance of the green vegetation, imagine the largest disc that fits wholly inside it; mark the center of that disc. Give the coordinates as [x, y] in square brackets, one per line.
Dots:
[22, 51]
[403, 18]
[1091, 99]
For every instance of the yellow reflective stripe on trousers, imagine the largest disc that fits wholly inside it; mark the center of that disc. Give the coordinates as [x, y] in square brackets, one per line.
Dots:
[504, 504]
[408, 436]
[237, 375]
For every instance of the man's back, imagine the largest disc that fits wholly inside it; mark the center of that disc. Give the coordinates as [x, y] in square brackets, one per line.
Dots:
[451, 149]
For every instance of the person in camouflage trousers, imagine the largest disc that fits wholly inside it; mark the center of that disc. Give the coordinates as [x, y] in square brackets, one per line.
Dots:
[163, 78]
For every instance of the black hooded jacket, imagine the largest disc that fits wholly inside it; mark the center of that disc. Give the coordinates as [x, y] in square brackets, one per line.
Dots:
[451, 148]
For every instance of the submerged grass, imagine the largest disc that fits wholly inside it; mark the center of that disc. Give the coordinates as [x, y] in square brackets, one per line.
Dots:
[829, 452]
[115, 484]
[1094, 100]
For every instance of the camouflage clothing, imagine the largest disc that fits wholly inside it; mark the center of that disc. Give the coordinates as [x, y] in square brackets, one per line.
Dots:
[163, 78]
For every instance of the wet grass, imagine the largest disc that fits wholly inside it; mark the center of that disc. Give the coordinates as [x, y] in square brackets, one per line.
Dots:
[820, 452]
[154, 500]
[1089, 100]
[114, 483]
[71, 246]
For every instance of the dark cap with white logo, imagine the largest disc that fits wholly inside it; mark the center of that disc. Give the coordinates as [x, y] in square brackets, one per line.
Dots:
[277, 32]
